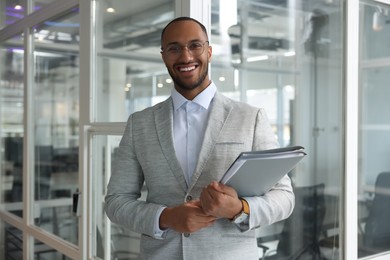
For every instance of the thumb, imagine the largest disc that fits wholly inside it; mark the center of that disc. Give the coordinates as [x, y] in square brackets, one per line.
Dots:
[218, 186]
[224, 189]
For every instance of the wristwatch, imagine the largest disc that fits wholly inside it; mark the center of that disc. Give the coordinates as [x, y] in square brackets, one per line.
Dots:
[243, 215]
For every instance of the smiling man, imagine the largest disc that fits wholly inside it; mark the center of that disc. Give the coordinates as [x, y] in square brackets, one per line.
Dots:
[180, 149]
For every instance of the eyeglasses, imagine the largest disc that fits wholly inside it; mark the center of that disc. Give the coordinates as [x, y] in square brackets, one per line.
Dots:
[195, 48]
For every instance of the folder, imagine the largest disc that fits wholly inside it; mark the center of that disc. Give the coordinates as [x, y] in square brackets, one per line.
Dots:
[254, 173]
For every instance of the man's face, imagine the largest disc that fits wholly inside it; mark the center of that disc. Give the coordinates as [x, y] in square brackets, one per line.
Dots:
[189, 70]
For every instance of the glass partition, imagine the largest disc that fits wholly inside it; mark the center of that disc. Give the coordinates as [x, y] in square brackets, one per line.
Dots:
[39, 4]
[112, 241]
[56, 123]
[12, 249]
[11, 124]
[286, 57]
[374, 129]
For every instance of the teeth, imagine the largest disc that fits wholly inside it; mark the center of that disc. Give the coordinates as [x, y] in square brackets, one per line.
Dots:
[187, 68]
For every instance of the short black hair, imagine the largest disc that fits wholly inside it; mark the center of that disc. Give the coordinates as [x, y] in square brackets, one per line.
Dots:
[184, 18]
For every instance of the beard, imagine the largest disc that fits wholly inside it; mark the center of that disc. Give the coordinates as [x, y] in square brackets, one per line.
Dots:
[182, 85]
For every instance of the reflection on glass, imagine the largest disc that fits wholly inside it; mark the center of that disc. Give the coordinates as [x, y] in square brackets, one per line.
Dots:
[130, 73]
[11, 12]
[39, 4]
[279, 57]
[11, 124]
[376, 28]
[112, 241]
[56, 121]
[374, 134]
[13, 246]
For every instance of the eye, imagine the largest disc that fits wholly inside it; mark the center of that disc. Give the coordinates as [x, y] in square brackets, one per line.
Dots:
[195, 46]
[173, 48]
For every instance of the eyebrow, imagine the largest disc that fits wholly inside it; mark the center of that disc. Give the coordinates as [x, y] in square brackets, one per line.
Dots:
[195, 40]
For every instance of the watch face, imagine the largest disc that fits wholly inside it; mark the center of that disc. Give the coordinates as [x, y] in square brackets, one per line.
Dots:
[240, 218]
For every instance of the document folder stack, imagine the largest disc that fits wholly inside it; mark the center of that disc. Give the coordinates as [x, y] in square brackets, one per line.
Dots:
[255, 173]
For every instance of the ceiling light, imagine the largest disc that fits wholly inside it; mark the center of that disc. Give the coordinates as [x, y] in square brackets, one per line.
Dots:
[377, 21]
[257, 58]
[110, 10]
[18, 7]
[289, 53]
[110, 7]
[289, 88]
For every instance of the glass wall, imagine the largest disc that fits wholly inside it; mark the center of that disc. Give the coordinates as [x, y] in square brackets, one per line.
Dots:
[374, 129]
[56, 124]
[55, 112]
[111, 241]
[12, 249]
[11, 124]
[287, 58]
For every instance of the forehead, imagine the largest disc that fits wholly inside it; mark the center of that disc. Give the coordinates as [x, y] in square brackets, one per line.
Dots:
[183, 32]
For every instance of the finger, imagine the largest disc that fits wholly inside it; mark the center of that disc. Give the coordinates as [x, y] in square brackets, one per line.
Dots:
[208, 195]
[206, 219]
[227, 190]
[205, 200]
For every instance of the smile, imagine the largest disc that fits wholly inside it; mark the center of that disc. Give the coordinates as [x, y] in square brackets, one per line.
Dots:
[185, 69]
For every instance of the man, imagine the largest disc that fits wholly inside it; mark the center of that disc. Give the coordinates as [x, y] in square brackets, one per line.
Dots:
[180, 149]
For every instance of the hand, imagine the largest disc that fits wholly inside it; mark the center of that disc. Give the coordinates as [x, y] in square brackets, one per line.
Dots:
[186, 218]
[220, 201]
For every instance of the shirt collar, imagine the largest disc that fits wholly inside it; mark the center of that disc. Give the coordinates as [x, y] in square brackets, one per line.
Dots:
[203, 98]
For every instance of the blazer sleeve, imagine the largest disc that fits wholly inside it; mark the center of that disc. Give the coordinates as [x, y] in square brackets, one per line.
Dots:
[122, 203]
[279, 202]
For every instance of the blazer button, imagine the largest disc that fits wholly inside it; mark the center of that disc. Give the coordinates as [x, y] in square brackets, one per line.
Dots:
[189, 198]
[187, 234]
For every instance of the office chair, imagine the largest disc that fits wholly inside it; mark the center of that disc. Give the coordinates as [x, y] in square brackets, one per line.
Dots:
[299, 238]
[376, 237]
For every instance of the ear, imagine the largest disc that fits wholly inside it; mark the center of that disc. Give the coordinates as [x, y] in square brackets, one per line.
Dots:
[210, 52]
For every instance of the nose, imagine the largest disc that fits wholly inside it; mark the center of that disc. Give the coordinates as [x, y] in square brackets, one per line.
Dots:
[185, 53]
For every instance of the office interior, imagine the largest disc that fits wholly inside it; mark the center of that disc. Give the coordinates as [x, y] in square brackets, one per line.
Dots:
[71, 72]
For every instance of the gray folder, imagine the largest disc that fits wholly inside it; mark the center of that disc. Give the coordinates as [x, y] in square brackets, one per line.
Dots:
[255, 173]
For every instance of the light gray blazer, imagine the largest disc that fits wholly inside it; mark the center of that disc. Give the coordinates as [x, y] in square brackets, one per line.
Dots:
[147, 155]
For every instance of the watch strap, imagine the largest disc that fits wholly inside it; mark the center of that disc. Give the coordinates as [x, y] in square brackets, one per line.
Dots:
[244, 213]
[245, 206]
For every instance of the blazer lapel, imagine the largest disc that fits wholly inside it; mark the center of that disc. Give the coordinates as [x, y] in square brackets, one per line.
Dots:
[217, 118]
[163, 118]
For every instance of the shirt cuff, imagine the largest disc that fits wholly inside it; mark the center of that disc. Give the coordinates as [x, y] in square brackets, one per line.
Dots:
[158, 233]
